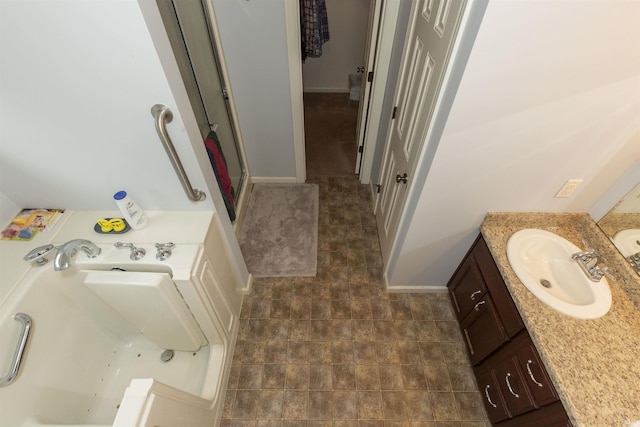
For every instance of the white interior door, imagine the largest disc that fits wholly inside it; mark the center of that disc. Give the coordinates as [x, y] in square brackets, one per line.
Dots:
[365, 84]
[432, 29]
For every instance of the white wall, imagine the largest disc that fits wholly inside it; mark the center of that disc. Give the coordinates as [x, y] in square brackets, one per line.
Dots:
[255, 47]
[551, 92]
[344, 52]
[78, 80]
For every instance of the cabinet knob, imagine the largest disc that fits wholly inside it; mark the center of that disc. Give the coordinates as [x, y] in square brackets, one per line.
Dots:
[509, 385]
[529, 362]
[473, 295]
[486, 393]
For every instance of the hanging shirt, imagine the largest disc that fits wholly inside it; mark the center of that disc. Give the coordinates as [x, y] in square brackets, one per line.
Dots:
[314, 27]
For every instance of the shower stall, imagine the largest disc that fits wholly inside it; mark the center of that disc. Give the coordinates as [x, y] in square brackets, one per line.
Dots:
[191, 27]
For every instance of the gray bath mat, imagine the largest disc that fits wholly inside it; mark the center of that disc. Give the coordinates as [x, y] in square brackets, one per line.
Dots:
[279, 236]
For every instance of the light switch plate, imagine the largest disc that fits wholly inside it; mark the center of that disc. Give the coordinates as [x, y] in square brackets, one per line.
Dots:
[568, 188]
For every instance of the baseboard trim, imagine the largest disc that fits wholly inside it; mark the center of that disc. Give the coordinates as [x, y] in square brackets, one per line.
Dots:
[247, 288]
[426, 289]
[326, 90]
[241, 205]
[274, 180]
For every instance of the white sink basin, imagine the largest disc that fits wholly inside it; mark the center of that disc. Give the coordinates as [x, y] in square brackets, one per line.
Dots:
[627, 241]
[542, 261]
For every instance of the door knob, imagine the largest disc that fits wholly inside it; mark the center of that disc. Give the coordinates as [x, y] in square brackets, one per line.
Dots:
[402, 178]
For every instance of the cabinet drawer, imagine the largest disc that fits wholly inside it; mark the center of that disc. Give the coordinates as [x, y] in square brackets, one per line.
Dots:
[511, 383]
[482, 330]
[492, 398]
[466, 287]
[535, 375]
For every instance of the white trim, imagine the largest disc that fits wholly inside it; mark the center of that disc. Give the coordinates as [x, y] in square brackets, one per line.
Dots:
[274, 180]
[246, 290]
[292, 28]
[241, 204]
[424, 289]
[326, 90]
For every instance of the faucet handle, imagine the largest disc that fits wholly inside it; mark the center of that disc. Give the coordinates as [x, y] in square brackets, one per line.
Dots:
[136, 253]
[604, 271]
[164, 250]
[38, 255]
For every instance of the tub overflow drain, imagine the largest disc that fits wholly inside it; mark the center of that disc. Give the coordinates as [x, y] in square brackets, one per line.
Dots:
[545, 283]
[166, 356]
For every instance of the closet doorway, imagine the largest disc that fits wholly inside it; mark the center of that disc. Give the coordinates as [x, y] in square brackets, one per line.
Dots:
[331, 103]
[366, 38]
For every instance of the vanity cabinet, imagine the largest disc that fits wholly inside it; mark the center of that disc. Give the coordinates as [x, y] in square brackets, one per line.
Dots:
[513, 382]
[482, 303]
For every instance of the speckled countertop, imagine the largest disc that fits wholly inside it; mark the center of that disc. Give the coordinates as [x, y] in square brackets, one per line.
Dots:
[594, 364]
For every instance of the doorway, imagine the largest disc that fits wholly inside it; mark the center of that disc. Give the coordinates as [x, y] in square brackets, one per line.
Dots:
[330, 98]
[383, 23]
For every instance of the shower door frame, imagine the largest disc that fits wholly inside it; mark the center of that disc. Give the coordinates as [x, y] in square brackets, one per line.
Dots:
[205, 123]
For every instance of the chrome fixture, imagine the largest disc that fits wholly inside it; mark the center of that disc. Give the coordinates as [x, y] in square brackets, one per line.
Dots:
[166, 356]
[25, 319]
[62, 260]
[589, 261]
[634, 260]
[136, 253]
[162, 114]
[164, 250]
[38, 255]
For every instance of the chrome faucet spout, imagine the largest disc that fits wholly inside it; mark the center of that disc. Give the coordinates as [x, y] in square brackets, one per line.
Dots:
[62, 261]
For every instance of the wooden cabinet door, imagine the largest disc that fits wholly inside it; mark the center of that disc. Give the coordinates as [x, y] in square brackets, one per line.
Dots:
[482, 330]
[497, 289]
[511, 383]
[535, 375]
[492, 398]
[466, 287]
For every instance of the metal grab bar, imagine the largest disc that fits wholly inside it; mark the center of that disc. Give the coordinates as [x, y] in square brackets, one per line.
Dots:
[161, 114]
[25, 319]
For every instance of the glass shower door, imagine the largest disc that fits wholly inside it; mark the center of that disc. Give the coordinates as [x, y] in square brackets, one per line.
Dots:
[187, 24]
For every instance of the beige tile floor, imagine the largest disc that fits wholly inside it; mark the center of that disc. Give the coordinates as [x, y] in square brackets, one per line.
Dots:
[336, 350]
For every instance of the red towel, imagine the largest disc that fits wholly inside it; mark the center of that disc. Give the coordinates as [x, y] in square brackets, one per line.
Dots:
[219, 164]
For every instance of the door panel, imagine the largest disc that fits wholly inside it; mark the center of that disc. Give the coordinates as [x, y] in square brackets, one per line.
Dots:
[427, 49]
[365, 86]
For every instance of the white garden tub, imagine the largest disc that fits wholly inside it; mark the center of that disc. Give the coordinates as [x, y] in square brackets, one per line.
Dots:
[86, 359]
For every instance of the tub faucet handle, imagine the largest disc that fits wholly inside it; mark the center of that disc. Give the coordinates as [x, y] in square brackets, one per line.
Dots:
[38, 255]
[164, 250]
[136, 253]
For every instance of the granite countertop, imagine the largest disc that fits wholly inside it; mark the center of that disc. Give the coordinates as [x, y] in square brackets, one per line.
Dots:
[594, 364]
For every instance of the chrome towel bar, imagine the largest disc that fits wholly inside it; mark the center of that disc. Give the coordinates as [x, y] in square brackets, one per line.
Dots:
[25, 319]
[162, 114]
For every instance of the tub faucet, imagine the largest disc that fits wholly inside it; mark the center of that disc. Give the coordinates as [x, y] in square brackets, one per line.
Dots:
[69, 249]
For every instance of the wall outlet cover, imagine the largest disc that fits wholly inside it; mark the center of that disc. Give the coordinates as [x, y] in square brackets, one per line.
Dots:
[568, 188]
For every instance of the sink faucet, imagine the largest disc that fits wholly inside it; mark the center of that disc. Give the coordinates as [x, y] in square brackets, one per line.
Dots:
[69, 249]
[634, 261]
[589, 262]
